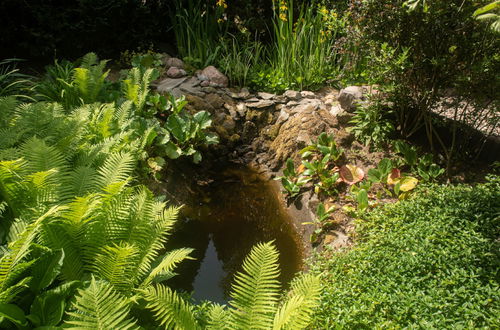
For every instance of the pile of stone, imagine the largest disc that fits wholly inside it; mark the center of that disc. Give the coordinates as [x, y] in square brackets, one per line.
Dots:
[262, 128]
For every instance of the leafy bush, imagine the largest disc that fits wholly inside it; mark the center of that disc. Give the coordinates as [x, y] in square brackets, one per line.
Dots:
[428, 262]
[431, 56]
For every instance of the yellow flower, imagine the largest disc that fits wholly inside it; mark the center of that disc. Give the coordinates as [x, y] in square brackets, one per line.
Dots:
[222, 3]
[283, 17]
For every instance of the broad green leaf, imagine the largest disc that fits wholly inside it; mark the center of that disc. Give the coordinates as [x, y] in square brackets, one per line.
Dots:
[172, 151]
[211, 138]
[203, 119]
[197, 157]
[177, 126]
[46, 269]
[362, 199]
[14, 314]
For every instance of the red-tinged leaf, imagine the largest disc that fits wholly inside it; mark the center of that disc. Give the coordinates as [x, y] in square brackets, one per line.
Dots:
[394, 176]
[351, 174]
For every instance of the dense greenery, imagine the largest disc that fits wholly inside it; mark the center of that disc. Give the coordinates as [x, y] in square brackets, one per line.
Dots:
[83, 243]
[429, 262]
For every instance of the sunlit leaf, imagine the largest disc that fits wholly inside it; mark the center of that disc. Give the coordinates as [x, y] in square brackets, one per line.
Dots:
[351, 174]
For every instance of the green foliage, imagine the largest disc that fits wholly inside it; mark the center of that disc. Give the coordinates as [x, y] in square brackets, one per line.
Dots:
[187, 132]
[197, 28]
[240, 57]
[487, 13]
[370, 125]
[74, 86]
[431, 261]
[291, 181]
[99, 307]
[439, 62]
[301, 55]
[12, 82]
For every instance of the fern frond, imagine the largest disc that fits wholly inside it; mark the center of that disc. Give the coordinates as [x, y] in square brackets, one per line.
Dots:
[116, 265]
[78, 182]
[167, 265]
[169, 308]
[162, 222]
[41, 157]
[296, 312]
[99, 307]
[20, 248]
[68, 234]
[118, 167]
[7, 106]
[218, 318]
[255, 291]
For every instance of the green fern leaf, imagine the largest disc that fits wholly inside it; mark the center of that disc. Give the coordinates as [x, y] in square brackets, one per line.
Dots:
[167, 264]
[99, 307]
[255, 291]
[117, 168]
[296, 312]
[169, 308]
[218, 318]
[116, 264]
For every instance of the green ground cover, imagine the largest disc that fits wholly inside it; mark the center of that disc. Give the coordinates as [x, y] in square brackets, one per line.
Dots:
[428, 262]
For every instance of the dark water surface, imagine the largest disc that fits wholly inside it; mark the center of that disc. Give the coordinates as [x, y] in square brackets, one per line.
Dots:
[225, 218]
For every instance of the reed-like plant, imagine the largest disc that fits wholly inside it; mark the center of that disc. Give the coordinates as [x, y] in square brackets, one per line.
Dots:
[302, 53]
[198, 27]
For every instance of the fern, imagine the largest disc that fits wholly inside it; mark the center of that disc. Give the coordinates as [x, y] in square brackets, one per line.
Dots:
[116, 264]
[99, 307]
[297, 309]
[169, 309]
[12, 263]
[117, 168]
[167, 264]
[255, 291]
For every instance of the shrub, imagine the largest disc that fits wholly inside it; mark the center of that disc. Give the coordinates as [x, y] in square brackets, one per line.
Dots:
[431, 56]
[428, 262]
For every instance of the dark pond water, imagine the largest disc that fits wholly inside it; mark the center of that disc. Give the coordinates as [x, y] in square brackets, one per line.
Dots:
[225, 218]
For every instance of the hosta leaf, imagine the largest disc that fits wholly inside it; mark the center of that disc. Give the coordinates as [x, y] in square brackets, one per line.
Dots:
[172, 151]
[351, 174]
[408, 183]
[394, 176]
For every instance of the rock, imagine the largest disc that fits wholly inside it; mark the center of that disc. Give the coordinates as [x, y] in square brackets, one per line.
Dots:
[303, 139]
[164, 58]
[214, 100]
[201, 76]
[260, 104]
[243, 94]
[283, 117]
[205, 83]
[249, 131]
[174, 62]
[253, 99]
[307, 106]
[350, 96]
[266, 96]
[336, 109]
[191, 87]
[229, 125]
[216, 78]
[241, 109]
[308, 94]
[292, 95]
[175, 72]
[169, 84]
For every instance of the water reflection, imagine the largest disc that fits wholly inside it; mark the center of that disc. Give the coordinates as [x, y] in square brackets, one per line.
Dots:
[237, 210]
